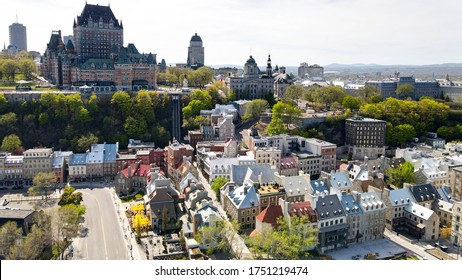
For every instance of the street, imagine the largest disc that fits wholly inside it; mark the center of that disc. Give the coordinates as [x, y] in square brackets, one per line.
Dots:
[105, 240]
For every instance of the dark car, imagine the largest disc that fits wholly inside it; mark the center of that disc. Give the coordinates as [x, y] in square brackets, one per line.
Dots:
[18, 187]
[441, 246]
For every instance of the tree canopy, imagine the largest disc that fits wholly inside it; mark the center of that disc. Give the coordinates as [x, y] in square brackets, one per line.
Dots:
[290, 240]
[401, 174]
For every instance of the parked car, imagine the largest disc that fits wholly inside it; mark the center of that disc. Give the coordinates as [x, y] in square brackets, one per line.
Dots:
[20, 187]
[441, 246]
[5, 202]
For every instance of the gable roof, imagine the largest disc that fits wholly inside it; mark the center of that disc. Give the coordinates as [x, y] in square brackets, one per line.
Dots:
[329, 207]
[351, 205]
[270, 215]
[242, 198]
[419, 210]
[401, 197]
[339, 180]
[243, 173]
[425, 192]
[303, 209]
[320, 186]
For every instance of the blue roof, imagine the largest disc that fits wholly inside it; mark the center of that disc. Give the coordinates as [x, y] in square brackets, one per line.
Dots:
[78, 159]
[319, 186]
[350, 205]
[339, 180]
[102, 153]
[58, 162]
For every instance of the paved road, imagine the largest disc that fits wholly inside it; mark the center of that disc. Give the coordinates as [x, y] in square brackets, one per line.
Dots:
[417, 248]
[105, 240]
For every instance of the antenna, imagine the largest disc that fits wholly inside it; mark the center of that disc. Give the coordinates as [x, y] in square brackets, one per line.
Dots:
[16, 16]
[250, 50]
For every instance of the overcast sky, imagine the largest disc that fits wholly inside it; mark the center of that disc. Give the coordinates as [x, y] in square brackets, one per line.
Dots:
[313, 31]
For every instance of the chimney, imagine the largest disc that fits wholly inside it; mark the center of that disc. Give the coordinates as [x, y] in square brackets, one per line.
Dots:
[245, 190]
[260, 178]
[129, 171]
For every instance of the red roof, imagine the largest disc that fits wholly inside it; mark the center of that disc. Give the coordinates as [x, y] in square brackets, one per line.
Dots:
[141, 170]
[270, 215]
[303, 209]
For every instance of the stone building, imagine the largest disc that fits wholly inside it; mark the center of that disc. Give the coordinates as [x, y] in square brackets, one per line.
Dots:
[195, 52]
[365, 137]
[252, 84]
[97, 58]
[36, 161]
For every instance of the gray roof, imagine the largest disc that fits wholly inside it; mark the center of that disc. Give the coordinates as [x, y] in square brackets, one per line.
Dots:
[243, 200]
[419, 210]
[401, 197]
[329, 207]
[189, 178]
[445, 193]
[444, 205]
[57, 162]
[339, 180]
[371, 202]
[78, 159]
[350, 205]
[239, 173]
[425, 192]
[15, 214]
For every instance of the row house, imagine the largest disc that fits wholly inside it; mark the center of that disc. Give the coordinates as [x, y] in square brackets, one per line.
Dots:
[332, 222]
[294, 144]
[59, 165]
[373, 218]
[36, 161]
[296, 187]
[12, 170]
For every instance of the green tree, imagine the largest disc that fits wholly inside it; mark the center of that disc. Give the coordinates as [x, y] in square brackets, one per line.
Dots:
[450, 133]
[401, 174]
[3, 101]
[84, 142]
[32, 247]
[43, 118]
[64, 226]
[144, 106]
[352, 103]
[275, 127]
[8, 120]
[93, 104]
[293, 93]
[367, 93]
[220, 237]
[404, 90]
[291, 239]
[10, 68]
[11, 142]
[70, 196]
[123, 102]
[9, 234]
[27, 67]
[135, 128]
[285, 112]
[254, 109]
[217, 184]
[43, 184]
[402, 133]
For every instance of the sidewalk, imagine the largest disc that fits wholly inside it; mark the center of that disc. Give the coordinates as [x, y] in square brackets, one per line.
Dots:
[135, 251]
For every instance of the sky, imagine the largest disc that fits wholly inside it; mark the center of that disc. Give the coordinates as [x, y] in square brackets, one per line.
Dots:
[388, 32]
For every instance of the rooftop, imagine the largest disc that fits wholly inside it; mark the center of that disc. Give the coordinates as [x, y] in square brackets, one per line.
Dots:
[329, 207]
[15, 214]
